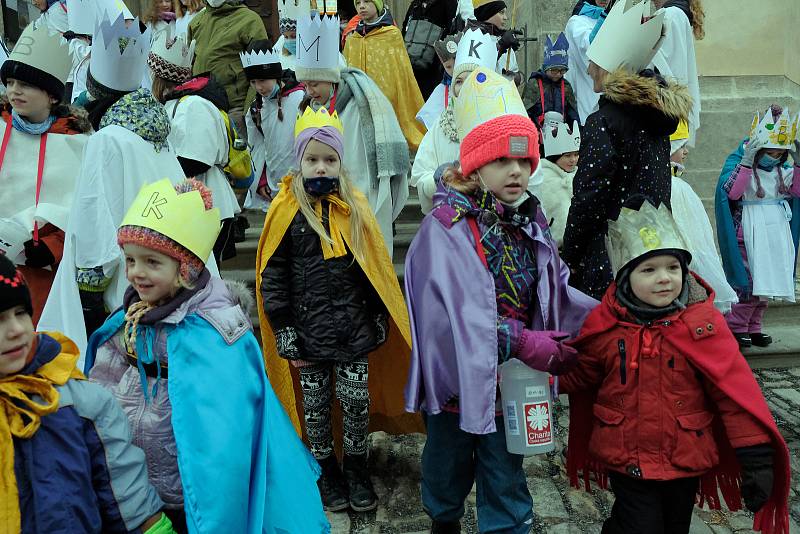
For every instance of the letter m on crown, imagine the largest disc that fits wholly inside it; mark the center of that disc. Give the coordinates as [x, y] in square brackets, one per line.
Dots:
[314, 44]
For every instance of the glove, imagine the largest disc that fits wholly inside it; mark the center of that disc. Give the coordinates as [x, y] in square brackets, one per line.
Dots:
[94, 310]
[38, 255]
[757, 475]
[162, 526]
[286, 340]
[750, 151]
[540, 350]
[508, 40]
[383, 327]
[794, 152]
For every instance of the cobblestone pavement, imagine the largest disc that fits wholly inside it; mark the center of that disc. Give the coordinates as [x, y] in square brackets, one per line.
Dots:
[558, 508]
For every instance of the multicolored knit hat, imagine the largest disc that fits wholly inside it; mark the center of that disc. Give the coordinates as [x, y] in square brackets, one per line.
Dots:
[191, 265]
[13, 288]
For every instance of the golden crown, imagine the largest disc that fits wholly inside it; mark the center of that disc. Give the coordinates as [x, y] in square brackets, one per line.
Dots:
[635, 233]
[181, 217]
[317, 119]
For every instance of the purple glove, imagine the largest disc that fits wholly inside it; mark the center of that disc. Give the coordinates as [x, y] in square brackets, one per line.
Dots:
[540, 350]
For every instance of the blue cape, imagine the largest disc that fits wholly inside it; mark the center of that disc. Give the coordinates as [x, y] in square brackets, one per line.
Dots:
[726, 233]
[242, 465]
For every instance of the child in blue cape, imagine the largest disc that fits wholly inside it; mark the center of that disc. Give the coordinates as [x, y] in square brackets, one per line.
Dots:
[181, 358]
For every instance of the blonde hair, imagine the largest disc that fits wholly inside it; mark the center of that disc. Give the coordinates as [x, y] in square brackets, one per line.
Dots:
[151, 15]
[698, 19]
[162, 88]
[193, 7]
[453, 177]
[346, 193]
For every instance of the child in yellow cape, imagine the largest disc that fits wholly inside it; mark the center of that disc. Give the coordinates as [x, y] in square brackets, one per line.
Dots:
[330, 305]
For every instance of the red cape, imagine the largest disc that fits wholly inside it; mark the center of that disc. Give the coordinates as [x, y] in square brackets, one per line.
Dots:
[719, 360]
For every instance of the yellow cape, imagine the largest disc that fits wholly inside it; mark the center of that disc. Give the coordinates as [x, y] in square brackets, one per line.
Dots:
[388, 365]
[382, 55]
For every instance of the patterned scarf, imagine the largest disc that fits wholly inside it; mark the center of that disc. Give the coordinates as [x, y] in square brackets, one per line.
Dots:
[143, 115]
[447, 120]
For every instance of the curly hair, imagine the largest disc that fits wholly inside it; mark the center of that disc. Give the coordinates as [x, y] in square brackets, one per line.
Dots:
[151, 15]
[192, 6]
[698, 19]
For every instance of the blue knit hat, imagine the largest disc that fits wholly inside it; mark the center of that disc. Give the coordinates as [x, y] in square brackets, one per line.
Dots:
[555, 54]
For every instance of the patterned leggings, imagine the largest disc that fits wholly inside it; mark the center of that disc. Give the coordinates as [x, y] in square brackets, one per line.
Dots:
[353, 394]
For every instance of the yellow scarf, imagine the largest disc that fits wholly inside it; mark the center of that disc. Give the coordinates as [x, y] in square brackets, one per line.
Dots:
[338, 213]
[21, 415]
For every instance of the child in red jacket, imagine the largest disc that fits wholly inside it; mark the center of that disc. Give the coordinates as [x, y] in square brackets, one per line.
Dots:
[662, 400]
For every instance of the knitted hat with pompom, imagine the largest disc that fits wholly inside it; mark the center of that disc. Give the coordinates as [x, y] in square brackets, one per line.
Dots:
[190, 265]
[13, 289]
[507, 136]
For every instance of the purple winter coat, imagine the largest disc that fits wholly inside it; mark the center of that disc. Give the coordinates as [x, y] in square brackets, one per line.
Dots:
[453, 313]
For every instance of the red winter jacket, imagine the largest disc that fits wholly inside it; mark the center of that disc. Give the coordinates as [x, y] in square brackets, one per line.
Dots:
[654, 409]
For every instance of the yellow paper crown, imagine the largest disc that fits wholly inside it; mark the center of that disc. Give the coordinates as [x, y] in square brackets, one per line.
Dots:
[181, 217]
[780, 133]
[635, 233]
[681, 132]
[317, 119]
[484, 96]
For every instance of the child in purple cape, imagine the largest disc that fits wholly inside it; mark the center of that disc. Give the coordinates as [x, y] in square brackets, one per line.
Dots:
[484, 283]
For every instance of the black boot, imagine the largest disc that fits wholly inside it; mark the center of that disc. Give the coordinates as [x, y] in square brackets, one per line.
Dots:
[761, 340]
[331, 485]
[359, 486]
[744, 340]
[446, 527]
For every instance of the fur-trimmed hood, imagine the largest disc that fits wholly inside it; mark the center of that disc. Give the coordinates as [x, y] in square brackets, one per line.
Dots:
[662, 105]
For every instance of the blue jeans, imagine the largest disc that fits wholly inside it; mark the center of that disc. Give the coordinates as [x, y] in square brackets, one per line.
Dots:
[453, 459]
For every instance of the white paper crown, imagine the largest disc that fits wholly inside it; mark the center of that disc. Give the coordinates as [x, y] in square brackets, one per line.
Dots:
[484, 96]
[780, 133]
[293, 9]
[84, 15]
[629, 37]
[43, 50]
[115, 69]
[476, 48]
[259, 57]
[559, 139]
[173, 48]
[318, 42]
[635, 233]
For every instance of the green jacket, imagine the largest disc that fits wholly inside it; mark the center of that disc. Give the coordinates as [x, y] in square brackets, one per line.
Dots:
[221, 33]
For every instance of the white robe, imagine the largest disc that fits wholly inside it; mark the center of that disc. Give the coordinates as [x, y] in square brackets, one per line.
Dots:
[385, 207]
[577, 31]
[182, 23]
[198, 132]
[435, 150]
[116, 164]
[272, 147]
[692, 220]
[55, 18]
[676, 59]
[433, 107]
[768, 237]
[79, 51]
[18, 208]
[555, 194]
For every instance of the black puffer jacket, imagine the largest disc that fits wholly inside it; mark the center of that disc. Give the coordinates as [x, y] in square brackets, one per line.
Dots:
[330, 303]
[624, 151]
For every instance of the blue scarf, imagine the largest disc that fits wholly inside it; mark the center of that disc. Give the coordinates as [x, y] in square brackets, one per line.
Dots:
[33, 128]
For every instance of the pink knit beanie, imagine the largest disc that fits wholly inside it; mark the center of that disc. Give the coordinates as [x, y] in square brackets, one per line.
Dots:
[507, 136]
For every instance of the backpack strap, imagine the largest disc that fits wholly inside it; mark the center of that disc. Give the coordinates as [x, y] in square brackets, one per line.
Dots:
[476, 233]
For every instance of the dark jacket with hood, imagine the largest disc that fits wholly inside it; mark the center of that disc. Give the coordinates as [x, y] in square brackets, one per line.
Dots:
[624, 151]
[552, 98]
[331, 303]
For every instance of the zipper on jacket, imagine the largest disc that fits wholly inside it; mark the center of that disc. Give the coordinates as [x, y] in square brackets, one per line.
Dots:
[623, 378]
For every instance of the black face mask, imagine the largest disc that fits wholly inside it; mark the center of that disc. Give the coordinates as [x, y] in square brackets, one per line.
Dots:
[321, 185]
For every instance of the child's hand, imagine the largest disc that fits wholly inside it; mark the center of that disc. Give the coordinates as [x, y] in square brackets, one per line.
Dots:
[750, 151]
[541, 350]
[286, 341]
[757, 475]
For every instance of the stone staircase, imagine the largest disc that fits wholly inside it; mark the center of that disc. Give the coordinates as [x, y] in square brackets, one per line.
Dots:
[728, 107]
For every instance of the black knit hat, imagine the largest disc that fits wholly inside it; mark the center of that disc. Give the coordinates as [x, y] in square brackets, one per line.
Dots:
[273, 71]
[25, 73]
[489, 10]
[13, 289]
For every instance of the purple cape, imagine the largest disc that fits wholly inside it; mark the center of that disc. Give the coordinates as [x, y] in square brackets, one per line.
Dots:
[453, 312]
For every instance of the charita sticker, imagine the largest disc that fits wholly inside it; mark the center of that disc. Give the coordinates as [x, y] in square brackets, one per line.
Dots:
[538, 430]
